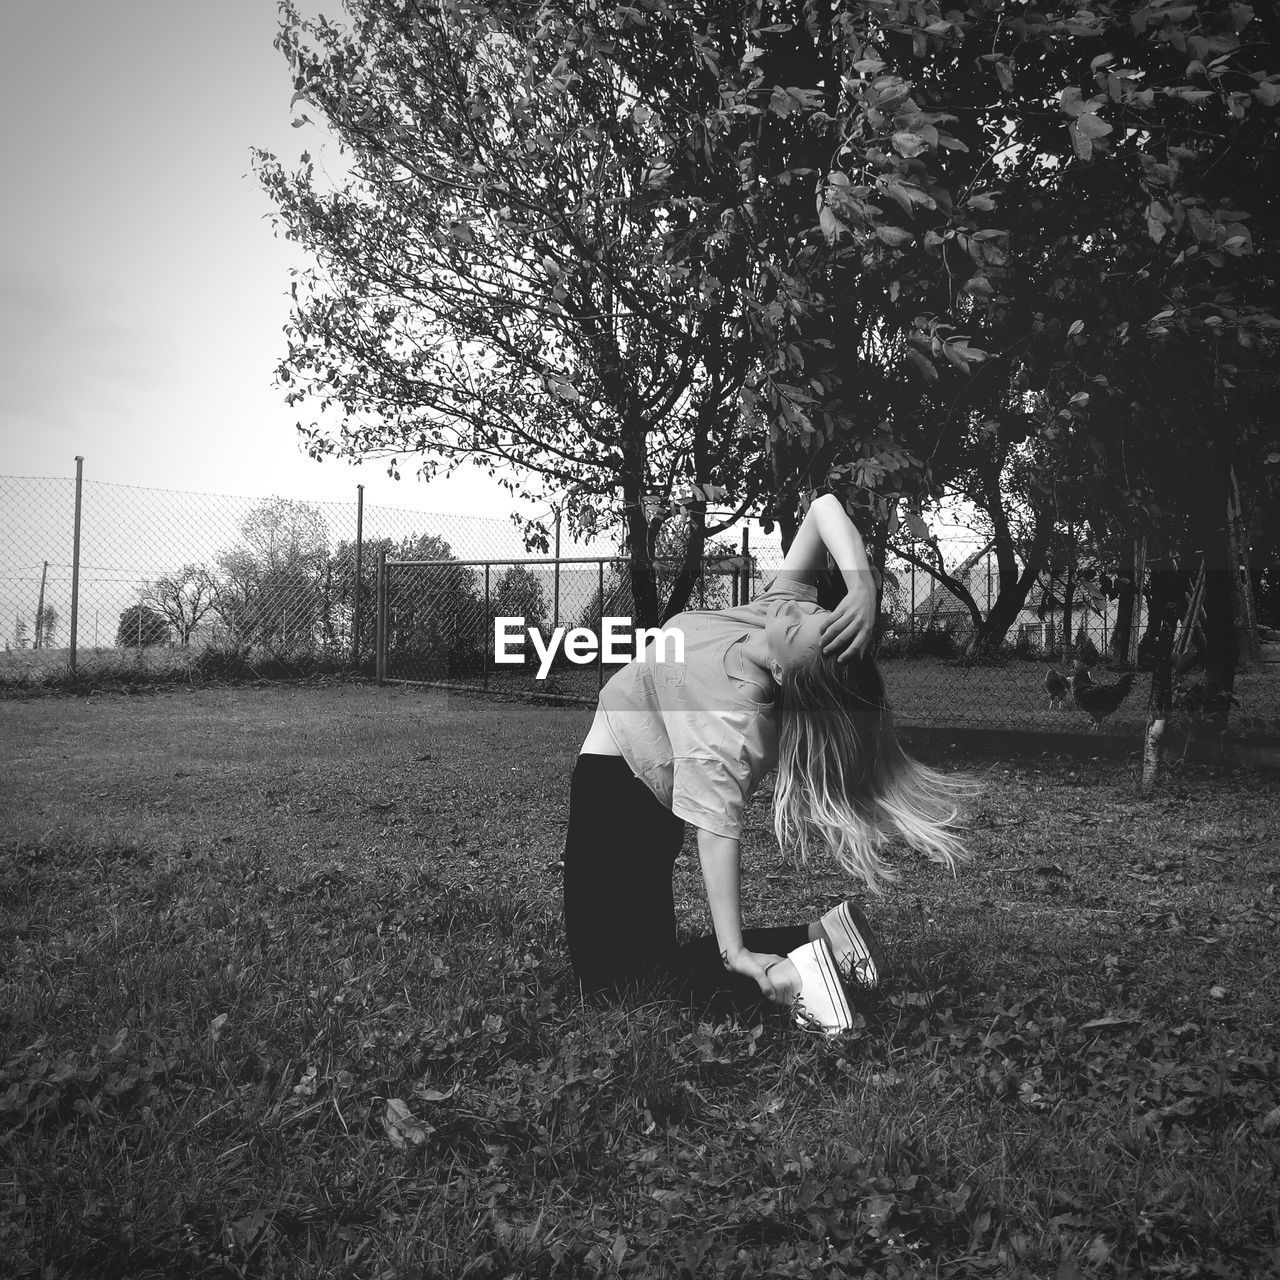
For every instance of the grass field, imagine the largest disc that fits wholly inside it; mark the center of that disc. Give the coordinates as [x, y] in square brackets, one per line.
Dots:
[285, 995]
[1008, 694]
[1005, 694]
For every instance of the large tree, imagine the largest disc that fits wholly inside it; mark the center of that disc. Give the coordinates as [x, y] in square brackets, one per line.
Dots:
[595, 245]
[634, 248]
[1126, 284]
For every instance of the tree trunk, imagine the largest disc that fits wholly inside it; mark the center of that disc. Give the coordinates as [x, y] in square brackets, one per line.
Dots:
[1014, 589]
[1068, 592]
[1219, 618]
[1160, 701]
[690, 571]
[1167, 589]
[1246, 617]
[639, 544]
[644, 581]
[953, 585]
[1127, 630]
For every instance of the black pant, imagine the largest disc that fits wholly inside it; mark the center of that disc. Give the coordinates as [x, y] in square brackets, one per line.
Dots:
[619, 911]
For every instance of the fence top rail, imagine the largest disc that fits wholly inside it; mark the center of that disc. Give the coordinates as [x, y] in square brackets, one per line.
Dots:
[615, 559]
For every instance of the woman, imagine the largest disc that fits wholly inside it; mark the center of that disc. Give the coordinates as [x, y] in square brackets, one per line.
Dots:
[775, 683]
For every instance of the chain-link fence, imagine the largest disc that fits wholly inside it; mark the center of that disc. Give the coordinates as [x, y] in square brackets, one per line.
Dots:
[441, 625]
[164, 582]
[491, 623]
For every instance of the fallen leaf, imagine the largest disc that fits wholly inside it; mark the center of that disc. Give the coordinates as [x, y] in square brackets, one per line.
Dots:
[1109, 1023]
[402, 1127]
[436, 1095]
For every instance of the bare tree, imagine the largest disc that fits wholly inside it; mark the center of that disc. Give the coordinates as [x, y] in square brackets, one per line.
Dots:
[184, 598]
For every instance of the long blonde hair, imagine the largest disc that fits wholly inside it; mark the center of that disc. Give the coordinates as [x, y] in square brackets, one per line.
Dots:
[844, 781]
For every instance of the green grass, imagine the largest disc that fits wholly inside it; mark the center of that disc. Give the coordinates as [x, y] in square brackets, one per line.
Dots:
[1004, 693]
[285, 995]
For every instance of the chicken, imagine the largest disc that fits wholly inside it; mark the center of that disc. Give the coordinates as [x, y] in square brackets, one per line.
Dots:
[1056, 686]
[1087, 650]
[1098, 701]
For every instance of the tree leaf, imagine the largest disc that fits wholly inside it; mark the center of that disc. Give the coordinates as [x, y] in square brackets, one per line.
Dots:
[894, 237]
[1071, 102]
[916, 527]
[830, 224]
[1091, 126]
[922, 364]
[908, 144]
[1082, 144]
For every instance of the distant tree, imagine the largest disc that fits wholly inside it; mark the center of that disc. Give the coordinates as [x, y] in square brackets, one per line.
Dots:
[46, 625]
[435, 611]
[267, 589]
[517, 593]
[284, 534]
[184, 598]
[142, 626]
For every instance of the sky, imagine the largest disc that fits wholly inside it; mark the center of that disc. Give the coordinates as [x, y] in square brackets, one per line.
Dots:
[142, 289]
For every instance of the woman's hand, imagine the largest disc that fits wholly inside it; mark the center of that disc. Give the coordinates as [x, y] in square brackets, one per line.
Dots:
[848, 631]
[775, 978]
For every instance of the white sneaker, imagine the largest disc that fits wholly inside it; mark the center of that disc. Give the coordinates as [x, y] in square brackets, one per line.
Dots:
[821, 1005]
[859, 955]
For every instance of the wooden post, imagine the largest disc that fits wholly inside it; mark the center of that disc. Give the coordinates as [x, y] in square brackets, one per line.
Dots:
[44, 573]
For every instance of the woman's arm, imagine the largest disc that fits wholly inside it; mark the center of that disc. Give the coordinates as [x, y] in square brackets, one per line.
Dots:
[827, 529]
[720, 859]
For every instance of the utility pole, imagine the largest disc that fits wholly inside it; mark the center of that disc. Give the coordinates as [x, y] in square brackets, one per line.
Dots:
[40, 608]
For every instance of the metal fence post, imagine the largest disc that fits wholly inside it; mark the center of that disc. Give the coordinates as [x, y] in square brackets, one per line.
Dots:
[555, 608]
[600, 649]
[912, 628]
[486, 625]
[380, 633]
[746, 566]
[75, 564]
[355, 607]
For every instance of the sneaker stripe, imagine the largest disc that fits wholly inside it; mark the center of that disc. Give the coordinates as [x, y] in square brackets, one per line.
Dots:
[862, 967]
[855, 939]
[835, 992]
